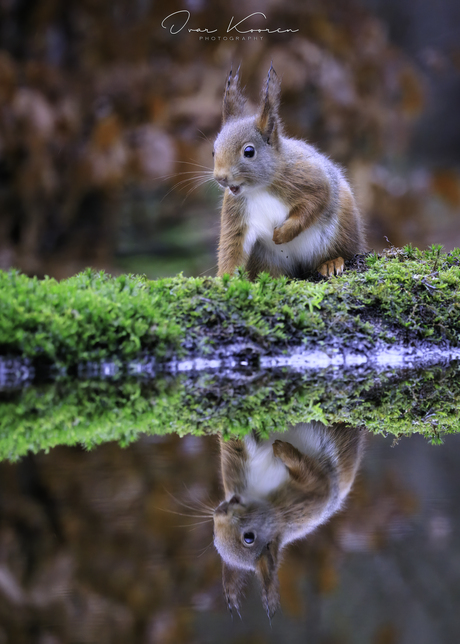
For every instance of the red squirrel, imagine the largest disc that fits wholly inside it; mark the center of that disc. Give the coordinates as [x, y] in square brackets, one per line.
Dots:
[287, 208]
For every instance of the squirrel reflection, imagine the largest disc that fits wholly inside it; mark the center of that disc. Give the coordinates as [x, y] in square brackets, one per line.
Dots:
[277, 491]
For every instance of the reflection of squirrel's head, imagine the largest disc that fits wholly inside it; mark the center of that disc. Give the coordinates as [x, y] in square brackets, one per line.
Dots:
[242, 530]
[246, 149]
[250, 534]
[247, 538]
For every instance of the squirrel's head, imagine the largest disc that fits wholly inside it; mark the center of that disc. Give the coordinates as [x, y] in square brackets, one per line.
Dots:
[247, 147]
[248, 539]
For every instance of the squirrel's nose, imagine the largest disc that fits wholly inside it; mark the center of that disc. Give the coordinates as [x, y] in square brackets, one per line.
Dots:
[222, 508]
[222, 179]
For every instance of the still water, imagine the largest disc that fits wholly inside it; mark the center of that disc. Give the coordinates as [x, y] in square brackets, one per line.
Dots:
[356, 535]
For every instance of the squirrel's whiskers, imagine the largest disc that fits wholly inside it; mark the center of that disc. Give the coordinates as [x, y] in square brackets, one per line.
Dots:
[199, 177]
[195, 182]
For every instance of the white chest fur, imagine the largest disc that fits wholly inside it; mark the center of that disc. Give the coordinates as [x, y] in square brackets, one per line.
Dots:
[264, 213]
[265, 472]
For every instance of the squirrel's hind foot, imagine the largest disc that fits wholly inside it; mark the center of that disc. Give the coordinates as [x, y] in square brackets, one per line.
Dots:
[332, 267]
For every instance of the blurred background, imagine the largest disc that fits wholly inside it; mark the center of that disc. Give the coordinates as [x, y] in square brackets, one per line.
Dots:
[104, 114]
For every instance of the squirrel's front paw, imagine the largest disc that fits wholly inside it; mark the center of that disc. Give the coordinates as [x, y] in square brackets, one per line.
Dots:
[277, 448]
[278, 236]
[287, 231]
[285, 451]
[283, 234]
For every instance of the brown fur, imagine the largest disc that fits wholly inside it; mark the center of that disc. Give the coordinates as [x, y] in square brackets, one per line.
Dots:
[267, 121]
[234, 102]
[311, 186]
[233, 229]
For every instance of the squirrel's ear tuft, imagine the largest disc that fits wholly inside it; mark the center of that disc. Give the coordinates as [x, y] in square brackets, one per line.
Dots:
[267, 121]
[234, 581]
[234, 102]
[267, 574]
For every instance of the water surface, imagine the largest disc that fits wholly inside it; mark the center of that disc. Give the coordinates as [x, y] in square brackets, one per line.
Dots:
[115, 545]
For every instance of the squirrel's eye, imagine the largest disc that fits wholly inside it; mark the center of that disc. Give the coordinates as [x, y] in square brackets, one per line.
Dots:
[248, 538]
[249, 151]
[213, 153]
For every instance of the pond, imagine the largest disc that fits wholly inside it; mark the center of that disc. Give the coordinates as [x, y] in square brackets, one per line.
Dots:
[115, 544]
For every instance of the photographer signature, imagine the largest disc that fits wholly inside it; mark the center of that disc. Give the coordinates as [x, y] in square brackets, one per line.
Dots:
[183, 18]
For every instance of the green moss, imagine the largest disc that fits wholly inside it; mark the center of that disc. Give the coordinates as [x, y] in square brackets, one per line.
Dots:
[404, 294]
[93, 316]
[72, 412]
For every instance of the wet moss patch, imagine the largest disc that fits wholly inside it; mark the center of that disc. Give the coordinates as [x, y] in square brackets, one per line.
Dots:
[91, 412]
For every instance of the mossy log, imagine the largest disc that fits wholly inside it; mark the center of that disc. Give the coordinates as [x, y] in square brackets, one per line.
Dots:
[405, 296]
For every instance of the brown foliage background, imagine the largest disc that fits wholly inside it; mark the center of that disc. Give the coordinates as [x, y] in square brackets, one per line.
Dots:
[102, 110]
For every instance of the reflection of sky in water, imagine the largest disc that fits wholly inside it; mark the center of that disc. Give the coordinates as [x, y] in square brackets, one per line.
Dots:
[115, 545]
